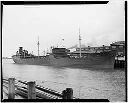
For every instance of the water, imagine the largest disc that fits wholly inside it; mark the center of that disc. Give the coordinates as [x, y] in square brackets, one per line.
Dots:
[86, 84]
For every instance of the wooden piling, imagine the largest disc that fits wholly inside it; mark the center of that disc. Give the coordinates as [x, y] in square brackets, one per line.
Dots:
[31, 90]
[68, 93]
[11, 88]
[119, 64]
[64, 94]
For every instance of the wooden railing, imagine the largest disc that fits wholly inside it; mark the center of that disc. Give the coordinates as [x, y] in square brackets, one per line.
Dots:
[29, 90]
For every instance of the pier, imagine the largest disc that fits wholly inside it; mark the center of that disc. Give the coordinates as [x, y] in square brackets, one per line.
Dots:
[16, 90]
[29, 90]
[119, 63]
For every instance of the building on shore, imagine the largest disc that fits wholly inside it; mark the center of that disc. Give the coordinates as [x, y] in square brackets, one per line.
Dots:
[119, 46]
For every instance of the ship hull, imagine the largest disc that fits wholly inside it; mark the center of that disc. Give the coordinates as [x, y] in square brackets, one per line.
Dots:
[94, 60]
[30, 61]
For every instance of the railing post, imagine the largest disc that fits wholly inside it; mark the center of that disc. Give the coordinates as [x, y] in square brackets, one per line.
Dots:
[64, 94]
[11, 88]
[31, 90]
[68, 93]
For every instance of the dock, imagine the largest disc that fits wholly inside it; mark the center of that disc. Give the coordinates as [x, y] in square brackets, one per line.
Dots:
[14, 89]
[119, 63]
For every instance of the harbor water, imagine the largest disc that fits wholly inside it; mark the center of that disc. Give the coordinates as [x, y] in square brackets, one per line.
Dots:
[86, 84]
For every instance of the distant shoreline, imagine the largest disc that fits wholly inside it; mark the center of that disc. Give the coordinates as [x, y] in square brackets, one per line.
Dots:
[6, 58]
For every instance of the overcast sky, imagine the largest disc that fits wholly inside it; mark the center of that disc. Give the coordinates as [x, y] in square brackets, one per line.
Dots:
[99, 25]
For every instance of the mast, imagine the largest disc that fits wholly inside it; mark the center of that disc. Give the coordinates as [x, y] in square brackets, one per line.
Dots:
[62, 42]
[38, 46]
[80, 42]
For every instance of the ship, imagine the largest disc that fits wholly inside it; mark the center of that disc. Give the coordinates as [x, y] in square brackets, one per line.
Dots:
[102, 57]
[62, 57]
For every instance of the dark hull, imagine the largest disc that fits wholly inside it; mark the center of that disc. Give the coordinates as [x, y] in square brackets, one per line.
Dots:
[93, 60]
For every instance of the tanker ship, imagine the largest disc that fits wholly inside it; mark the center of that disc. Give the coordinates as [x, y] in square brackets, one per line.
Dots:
[89, 57]
[62, 57]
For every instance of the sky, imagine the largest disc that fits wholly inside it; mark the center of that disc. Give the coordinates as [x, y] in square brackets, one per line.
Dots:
[99, 25]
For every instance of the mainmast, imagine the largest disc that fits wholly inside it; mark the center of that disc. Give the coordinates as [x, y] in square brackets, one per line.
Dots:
[38, 46]
[80, 42]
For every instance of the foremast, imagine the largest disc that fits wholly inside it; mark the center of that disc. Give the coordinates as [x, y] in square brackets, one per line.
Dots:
[38, 46]
[80, 42]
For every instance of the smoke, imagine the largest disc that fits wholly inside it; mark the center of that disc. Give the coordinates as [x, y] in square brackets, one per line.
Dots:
[103, 38]
[74, 46]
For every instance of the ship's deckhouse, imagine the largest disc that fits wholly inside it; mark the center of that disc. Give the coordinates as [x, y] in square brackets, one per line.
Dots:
[60, 52]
